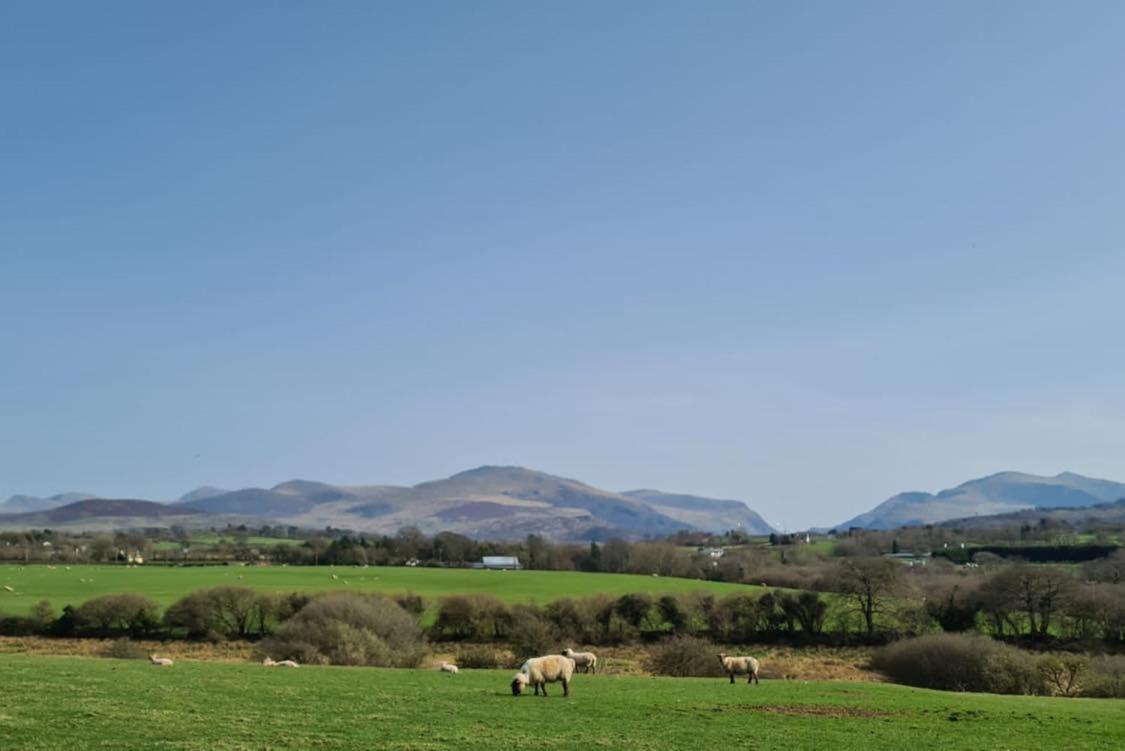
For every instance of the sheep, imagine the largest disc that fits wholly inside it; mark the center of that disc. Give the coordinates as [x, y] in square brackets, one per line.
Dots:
[448, 667]
[8, 589]
[588, 661]
[539, 671]
[733, 666]
[269, 663]
[160, 662]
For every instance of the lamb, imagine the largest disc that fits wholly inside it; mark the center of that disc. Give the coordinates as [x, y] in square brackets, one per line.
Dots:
[160, 662]
[588, 661]
[747, 666]
[269, 663]
[448, 667]
[539, 671]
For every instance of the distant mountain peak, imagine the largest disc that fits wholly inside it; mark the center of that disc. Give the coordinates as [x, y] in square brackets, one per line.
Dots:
[997, 493]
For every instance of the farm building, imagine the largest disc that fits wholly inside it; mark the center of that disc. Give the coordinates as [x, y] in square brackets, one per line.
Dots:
[503, 562]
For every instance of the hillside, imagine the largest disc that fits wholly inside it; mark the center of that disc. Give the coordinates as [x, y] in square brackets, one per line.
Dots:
[21, 504]
[996, 494]
[483, 503]
[492, 503]
[711, 514]
[1082, 518]
[487, 503]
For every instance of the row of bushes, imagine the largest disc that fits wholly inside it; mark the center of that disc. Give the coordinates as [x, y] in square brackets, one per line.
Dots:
[737, 618]
[971, 662]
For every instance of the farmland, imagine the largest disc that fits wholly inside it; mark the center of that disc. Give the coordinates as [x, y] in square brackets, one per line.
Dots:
[61, 585]
[92, 703]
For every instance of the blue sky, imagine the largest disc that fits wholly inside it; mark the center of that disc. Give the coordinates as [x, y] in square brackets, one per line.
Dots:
[807, 255]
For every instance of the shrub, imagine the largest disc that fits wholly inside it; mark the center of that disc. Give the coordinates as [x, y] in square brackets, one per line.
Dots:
[959, 662]
[1064, 673]
[1107, 677]
[42, 614]
[118, 614]
[348, 628]
[17, 625]
[230, 612]
[531, 634]
[685, 656]
[486, 658]
[125, 649]
[456, 618]
[1013, 671]
[411, 603]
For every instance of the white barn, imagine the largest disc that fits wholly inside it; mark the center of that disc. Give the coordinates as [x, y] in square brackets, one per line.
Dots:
[503, 562]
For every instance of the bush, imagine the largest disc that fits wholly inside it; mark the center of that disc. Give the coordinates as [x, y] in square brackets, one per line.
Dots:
[1064, 674]
[486, 658]
[125, 649]
[411, 603]
[531, 635]
[348, 628]
[959, 662]
[222, 612]
[685, 656]
[118, 614]
[1106, 678]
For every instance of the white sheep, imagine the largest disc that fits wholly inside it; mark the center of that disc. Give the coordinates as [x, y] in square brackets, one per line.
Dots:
[160, 662]
[733, 666]
[448, 667]
[8, 589]
[588, 661]
[539, 671]
[269, 663]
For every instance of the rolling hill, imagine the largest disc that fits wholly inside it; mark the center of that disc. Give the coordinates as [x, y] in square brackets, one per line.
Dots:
[21, 504]
[711, 514]
[1082, 518]
[485, 503]
[104, 513]
[996, 494]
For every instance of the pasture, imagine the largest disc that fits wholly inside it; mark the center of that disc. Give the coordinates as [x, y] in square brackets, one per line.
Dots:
[61, 585]
[66, 703]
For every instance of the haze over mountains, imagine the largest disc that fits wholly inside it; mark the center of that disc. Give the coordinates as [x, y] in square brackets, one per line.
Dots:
[996, 494]
[485, 503]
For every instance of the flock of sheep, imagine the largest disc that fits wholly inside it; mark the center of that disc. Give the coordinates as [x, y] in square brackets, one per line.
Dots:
[539, 671]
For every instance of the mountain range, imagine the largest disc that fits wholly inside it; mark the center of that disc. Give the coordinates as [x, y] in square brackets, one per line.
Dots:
[1000, 493]
[484, 503]
[512, 502]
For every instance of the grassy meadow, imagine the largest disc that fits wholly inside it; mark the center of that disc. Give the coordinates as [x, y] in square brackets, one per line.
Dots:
[61, 585]
[66, 703]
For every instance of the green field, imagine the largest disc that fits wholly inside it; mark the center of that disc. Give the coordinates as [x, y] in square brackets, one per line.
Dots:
[69, 703]
[165, 585]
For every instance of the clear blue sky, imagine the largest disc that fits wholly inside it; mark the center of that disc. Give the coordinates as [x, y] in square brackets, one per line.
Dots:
[804, 254]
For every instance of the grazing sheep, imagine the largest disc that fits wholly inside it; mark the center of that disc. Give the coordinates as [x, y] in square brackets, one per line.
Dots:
[448, 667]
[160, 662]
[8, 589]
[747, 666]
[269, 663]
[539, 671]
[588, 661]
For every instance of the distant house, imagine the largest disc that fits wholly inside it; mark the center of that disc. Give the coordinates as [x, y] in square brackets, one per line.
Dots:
[712, 552]
[502, 562]
[910, 559]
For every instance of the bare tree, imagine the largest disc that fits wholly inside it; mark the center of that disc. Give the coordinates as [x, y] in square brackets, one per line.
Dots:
[867, 583]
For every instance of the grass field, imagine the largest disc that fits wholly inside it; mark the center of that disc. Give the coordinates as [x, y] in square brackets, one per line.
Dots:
[62, 586]
[68, 703]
